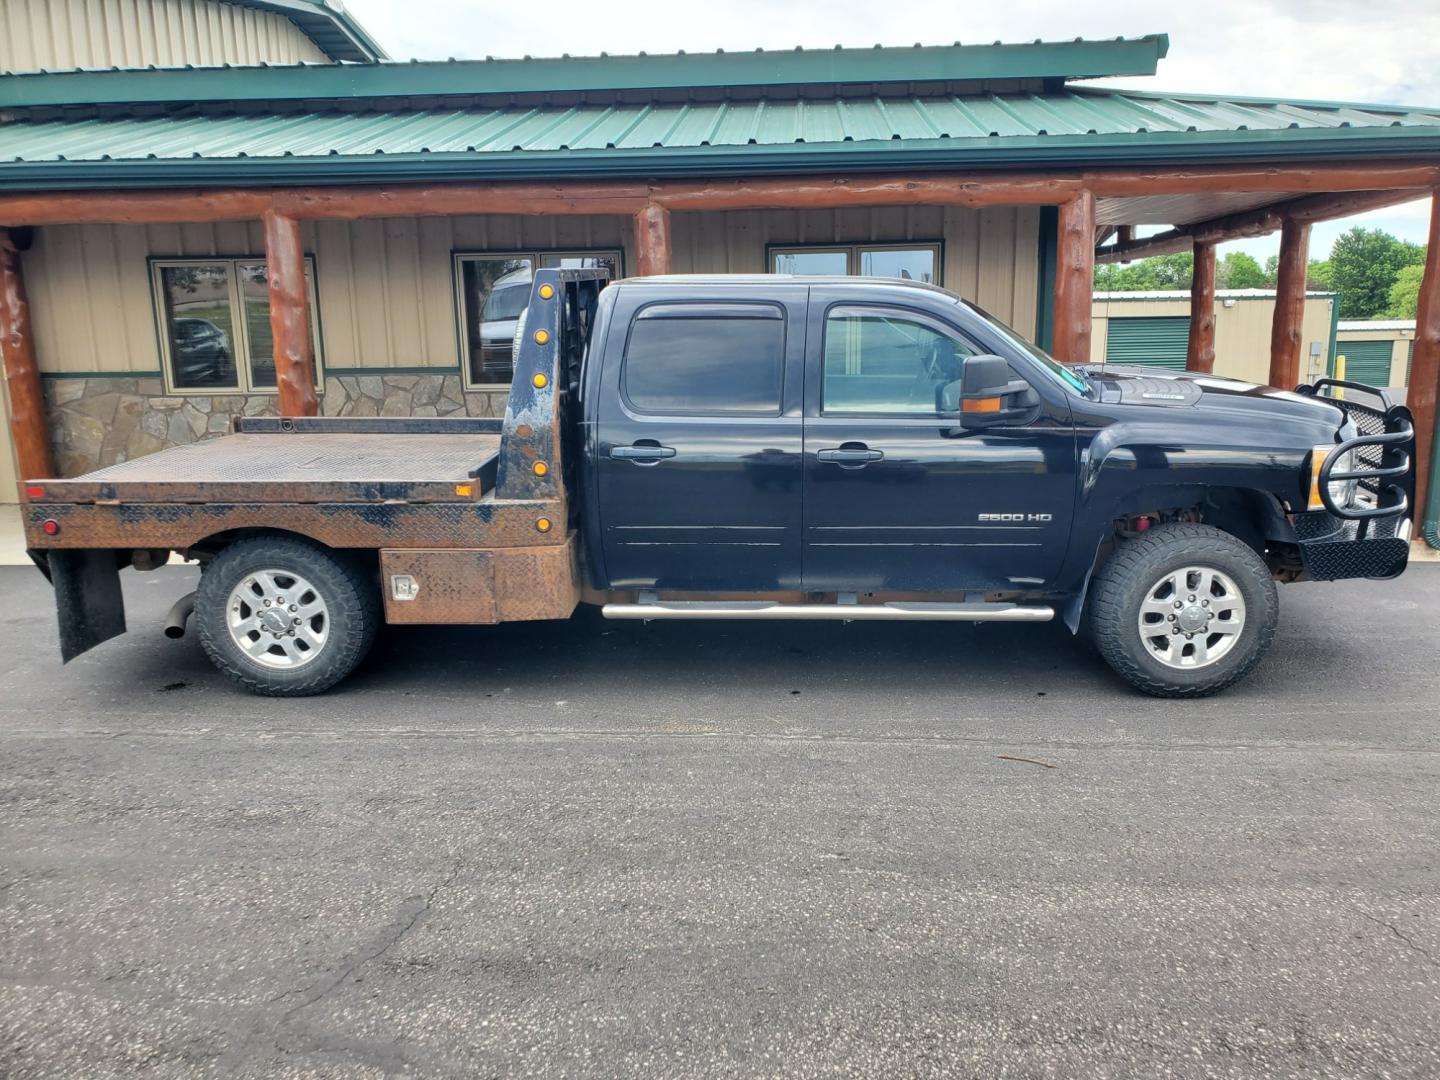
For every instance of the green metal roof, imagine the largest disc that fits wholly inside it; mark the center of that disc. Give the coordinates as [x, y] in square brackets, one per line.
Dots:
[1069, 127]
[1039, 60]
[333, 29]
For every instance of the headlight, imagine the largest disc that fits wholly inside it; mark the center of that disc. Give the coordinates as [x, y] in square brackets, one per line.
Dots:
[1342, 492]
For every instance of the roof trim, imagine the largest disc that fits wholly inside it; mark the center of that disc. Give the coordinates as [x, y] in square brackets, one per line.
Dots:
[1173, 148]
[333, 29]
[1062, 60]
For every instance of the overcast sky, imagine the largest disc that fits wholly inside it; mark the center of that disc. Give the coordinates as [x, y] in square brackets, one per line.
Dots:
[1359, 50]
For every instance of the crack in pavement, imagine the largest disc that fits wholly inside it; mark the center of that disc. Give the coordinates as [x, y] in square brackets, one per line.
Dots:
[1400, 935]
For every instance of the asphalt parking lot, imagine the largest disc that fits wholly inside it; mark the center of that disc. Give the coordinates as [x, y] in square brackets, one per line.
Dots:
[755, 850]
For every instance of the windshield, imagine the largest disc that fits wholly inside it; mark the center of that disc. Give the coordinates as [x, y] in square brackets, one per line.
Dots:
[506, 302]
[1061, 373]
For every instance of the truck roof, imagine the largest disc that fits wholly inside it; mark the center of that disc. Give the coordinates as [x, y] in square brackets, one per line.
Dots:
[728, 280]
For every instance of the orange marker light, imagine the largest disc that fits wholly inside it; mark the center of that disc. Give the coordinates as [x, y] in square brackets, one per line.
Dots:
[540, 380]
[546, 292]
[464, 489]
[543, 524]
[542, 337]
[540, 468]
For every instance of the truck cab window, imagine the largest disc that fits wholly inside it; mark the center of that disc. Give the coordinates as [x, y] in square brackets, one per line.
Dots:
[879, 362]
[711, 359]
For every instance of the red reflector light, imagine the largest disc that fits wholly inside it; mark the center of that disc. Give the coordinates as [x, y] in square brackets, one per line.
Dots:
[51, 526]
[34, 491]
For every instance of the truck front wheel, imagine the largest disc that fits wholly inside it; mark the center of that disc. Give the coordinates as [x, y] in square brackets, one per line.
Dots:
[1183, 611]
[284, 617]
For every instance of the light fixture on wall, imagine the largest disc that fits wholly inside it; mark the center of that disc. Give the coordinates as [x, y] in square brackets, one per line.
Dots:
[1228, 302]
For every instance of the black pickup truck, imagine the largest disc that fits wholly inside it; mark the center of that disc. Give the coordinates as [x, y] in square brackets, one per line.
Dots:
[761, 447]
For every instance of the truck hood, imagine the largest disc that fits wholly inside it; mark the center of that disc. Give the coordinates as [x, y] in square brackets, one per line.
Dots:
[1160, 388]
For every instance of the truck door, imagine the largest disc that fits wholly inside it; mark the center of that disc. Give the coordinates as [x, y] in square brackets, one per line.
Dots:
[698, 441]
[896, 497]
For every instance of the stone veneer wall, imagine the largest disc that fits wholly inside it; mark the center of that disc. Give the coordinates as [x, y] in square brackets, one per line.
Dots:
[97, 422]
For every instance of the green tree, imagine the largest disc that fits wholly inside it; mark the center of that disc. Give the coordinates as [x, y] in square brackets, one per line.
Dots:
[1240, 271]
[1320, 275]
[1146, 275]
[1405, 293]
[1365, 264]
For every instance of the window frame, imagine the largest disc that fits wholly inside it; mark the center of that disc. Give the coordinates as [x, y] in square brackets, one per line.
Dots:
[853, 252]
[458, 258]
[638, 315]
[924, 318]
[240, 336]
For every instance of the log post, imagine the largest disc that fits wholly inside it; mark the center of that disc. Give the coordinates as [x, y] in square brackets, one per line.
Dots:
[1201, 354]
[1425, 370]
[33, 457]
[1285, 331]
[294, 347]
[1074, 279]
[652, 240]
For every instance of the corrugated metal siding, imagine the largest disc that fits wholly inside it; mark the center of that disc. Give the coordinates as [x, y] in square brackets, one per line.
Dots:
[972, 122]
[1149, 342]
[386, 294]
[1368, 361]
[57, 35]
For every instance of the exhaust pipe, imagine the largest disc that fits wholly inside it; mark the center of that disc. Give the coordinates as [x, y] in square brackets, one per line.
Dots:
[178, 615]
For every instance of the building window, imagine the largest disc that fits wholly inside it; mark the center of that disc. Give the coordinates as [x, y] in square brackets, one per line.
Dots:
[494, 290]
[912, 262]
[215, 325]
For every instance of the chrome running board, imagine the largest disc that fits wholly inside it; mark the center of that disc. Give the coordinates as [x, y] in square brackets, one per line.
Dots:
[917, 610]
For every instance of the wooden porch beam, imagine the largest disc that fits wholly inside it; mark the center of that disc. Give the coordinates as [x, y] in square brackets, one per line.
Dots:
[972, 189]
[294, 349]
[1285, 331]
[1200, 355]
[652, 240]
[1074, 279]
[1425, 369]
[28, 424]
[1257, 222]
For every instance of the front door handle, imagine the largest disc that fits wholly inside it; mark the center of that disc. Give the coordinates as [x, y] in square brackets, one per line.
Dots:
[642, 453]
[851, 456]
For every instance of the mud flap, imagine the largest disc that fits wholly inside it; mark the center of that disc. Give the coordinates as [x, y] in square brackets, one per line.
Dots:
[88, 599]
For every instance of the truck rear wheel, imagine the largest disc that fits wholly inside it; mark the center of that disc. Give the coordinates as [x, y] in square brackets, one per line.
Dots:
[1183, 611]
[284, 617]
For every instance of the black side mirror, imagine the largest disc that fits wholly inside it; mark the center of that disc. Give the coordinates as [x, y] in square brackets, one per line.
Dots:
[987, 394]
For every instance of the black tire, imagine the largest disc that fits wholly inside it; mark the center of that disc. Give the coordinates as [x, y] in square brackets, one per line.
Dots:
[1137, 566]
[349, 623]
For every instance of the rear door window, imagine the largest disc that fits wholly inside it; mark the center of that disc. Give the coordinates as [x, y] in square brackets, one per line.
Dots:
[706, 359]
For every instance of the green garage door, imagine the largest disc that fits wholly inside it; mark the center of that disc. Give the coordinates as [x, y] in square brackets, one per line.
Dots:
[1367, 361]
[1158, 341]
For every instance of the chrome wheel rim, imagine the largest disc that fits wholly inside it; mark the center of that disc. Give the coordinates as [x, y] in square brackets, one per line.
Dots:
[278, 619]
[1191, 618]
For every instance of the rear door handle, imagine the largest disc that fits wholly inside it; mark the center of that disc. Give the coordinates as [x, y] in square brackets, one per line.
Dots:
[851, 456]
[642, 453]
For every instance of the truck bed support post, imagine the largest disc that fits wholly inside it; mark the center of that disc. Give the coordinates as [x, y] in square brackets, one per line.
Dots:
[1074, 279]
[652, 240]
[1201, 354]
[290, 316]
[33, 457]
[1285, 332]
[1425, 383]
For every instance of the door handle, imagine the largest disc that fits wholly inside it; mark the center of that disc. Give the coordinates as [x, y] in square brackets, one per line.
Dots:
[642, 453]
[852, 457]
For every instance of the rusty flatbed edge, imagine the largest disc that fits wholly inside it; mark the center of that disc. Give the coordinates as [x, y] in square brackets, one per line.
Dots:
[297, 467]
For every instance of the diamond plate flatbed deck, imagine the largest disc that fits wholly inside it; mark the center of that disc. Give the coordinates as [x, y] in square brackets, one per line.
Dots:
[297, 467]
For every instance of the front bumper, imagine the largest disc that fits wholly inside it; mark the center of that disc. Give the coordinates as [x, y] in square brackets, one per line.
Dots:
[1333, 548]
[1368, 536]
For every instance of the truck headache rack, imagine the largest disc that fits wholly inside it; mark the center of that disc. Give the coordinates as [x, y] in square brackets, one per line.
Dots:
[1368, 536]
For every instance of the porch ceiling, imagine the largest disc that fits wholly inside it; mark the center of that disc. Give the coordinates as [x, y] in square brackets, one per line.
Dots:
[1184, 209]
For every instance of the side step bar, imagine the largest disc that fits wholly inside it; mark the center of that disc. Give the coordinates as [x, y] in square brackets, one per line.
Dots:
[765, 609]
